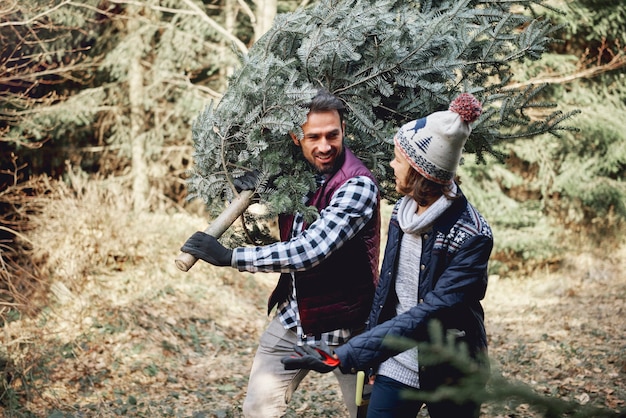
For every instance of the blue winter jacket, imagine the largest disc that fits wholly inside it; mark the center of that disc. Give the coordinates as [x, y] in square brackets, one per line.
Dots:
[452, 282]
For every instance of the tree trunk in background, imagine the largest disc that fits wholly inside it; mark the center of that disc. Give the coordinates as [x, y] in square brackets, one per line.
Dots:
[139, 170]
[265, 14]
[230, 23]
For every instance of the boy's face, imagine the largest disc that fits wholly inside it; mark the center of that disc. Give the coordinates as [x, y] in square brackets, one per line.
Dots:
[401, 169]
[322, 142]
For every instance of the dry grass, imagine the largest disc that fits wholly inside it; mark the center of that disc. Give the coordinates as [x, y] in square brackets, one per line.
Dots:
[119, 316]
[122, 332]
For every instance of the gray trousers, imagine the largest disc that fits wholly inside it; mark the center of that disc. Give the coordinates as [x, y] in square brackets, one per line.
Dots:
[270, 386]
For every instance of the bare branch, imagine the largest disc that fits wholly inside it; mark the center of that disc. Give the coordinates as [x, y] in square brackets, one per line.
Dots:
[617, 62]
[36, 17]
[242, 47]
[195, 10]
[36, 75]
[248, 10]
[184, 81]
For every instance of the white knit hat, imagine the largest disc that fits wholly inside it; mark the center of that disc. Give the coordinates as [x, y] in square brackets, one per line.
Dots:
[433, 144]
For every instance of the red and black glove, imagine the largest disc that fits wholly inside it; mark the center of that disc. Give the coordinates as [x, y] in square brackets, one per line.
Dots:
[310, 358]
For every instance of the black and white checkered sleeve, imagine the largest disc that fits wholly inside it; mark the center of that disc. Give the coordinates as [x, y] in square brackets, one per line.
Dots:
[350, 208]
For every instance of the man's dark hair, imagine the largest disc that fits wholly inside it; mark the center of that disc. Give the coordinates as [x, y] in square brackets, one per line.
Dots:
[325, 101]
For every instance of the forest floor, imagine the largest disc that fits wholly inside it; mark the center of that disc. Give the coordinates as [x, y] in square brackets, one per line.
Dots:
[134, 336]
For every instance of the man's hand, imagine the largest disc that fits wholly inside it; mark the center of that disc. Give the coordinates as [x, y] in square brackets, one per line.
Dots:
[249, 181]
[207, 248]
[310, 358]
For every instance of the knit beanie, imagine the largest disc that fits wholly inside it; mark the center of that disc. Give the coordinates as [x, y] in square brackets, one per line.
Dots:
[433, 144]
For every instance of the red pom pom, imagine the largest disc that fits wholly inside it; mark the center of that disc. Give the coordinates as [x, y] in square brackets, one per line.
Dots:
[467, 106]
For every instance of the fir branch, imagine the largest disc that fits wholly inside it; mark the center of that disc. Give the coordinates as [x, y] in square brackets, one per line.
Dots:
[389, 62]
[469, 379]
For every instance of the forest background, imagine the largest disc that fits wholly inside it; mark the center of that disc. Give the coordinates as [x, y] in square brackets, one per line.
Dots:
[96, 107]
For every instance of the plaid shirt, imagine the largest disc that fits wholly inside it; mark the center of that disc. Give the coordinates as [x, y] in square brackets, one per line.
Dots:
[349, 210]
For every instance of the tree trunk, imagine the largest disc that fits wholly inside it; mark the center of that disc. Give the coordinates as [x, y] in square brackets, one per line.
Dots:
[265, 14]
[139, 169]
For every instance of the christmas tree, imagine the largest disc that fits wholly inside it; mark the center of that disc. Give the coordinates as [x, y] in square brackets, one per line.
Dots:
[389, 62]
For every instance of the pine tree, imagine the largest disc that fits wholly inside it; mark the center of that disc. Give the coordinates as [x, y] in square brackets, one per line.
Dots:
[554, 197]
[109, 87]
[389, 62]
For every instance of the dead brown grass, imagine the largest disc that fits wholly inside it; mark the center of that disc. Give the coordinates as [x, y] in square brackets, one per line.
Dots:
[122, 332]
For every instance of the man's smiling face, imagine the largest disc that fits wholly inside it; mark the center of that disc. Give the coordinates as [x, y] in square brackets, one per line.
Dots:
[322, 142]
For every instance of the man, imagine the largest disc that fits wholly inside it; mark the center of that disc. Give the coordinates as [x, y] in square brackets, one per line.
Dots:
[435, 268]
[329, 267]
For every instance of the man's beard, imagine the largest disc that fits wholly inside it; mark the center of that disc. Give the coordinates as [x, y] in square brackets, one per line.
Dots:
[335, 165]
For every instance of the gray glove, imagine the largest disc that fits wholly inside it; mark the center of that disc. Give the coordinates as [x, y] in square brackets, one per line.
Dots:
[207, 248]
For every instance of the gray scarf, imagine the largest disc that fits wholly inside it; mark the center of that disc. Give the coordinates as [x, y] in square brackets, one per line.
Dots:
[411, 222]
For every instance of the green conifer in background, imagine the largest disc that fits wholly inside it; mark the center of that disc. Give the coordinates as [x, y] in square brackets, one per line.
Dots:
[389, 62]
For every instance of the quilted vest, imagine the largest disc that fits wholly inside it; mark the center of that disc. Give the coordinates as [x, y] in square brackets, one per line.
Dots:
[338, 292]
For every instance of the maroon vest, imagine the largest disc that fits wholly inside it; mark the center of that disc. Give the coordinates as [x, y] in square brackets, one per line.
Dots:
[338, 292]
